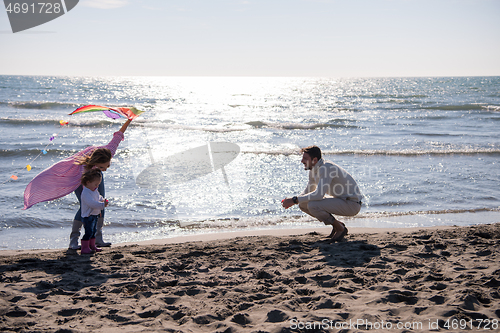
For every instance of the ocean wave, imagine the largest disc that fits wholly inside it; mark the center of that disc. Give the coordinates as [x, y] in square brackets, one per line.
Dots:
[31, 223]
[228, 223]
[134, 224]
[83, 122]
[4, 153]
[235, 127]
[494, 108]
[213, 223]
[292, 126]
[293, 151]
[28, 121]
[436, 134]
[459, 107]
[48, 105]
[232, 223]
[410, 153]
[425, 212]
[41, 105]
[381, 95]
[204, 128]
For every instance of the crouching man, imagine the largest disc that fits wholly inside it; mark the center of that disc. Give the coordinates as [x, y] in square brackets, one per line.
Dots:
[330, 191]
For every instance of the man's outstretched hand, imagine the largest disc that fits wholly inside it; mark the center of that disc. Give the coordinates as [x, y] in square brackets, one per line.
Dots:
[287, 203]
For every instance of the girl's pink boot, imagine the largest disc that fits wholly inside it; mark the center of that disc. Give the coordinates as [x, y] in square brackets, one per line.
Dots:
[85, 247]
[92, 245]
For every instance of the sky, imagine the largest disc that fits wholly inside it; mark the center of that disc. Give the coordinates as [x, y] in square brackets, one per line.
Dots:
[291, 38]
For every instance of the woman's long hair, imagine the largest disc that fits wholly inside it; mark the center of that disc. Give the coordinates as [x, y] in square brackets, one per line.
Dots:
[98, 156]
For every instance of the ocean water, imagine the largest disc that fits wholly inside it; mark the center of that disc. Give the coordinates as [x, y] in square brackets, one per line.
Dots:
[425, 151]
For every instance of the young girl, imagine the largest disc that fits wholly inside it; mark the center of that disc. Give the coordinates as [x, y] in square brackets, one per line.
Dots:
[92, 203]
[64, 177]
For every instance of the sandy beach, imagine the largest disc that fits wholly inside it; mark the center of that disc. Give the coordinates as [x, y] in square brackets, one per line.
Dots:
[435, 279]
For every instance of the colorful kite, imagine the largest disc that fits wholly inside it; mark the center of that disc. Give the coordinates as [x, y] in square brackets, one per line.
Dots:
[114, 113]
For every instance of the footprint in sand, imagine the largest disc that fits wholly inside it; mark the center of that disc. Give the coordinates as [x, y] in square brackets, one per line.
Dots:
[69, 312]
[241, 319]
[276, 316]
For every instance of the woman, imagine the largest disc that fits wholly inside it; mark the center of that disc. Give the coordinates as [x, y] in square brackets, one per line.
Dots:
[65, 176]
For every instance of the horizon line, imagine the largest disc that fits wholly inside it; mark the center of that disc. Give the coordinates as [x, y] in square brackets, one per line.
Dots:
[258, 76]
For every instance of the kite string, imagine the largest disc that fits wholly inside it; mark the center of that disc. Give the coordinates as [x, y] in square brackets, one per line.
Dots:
[44, 151]
[52, 138]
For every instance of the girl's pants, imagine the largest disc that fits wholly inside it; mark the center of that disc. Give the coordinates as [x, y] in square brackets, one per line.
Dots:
[90, 225]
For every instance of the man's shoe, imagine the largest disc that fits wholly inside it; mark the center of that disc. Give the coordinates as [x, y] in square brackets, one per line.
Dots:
[340, 237]
[333, 230]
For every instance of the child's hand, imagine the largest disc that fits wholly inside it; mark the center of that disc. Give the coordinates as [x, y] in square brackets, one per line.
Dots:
[106, 202]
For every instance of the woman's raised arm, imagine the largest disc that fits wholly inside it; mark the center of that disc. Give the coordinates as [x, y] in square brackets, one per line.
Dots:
[125, 125]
